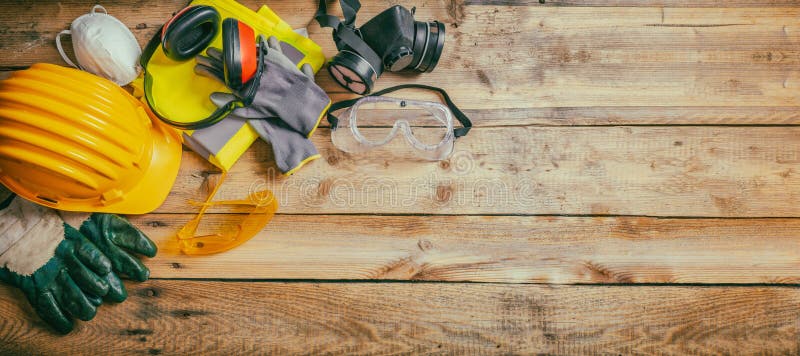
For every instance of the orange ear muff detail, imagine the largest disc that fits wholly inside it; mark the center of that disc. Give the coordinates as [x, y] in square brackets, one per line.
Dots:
[238, 53]
[248, 49]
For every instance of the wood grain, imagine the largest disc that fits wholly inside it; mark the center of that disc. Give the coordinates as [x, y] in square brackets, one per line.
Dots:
[538, 56]
[606, 115]
[180, 317]
[652, 171]
[546, 189]
[493, 249]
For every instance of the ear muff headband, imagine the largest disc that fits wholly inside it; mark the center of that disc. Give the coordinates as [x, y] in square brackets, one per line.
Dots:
[215, 117]
[189, 32]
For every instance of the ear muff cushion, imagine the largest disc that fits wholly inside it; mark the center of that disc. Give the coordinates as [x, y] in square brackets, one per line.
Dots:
[189, 32]
[238, 52]
[230, 53]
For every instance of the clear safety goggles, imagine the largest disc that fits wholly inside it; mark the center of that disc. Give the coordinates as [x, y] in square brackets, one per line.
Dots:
[375, 121]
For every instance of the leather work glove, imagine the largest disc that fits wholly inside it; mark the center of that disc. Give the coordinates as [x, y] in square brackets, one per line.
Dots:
[287, 107]
[61, 273]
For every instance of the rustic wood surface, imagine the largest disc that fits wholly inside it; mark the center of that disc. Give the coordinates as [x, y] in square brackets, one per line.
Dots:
[630, 187]
[506, 249]
[192, 317]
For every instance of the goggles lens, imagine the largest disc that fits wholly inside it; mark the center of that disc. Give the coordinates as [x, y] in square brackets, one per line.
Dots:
[374, 121]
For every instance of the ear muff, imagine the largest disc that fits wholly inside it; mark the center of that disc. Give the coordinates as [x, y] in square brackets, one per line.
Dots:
[239, 53]
[189, 32]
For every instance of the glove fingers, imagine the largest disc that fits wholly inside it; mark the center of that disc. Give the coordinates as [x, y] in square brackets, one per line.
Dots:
[47, 309]
[274, 44]
[87, 252]
[220, 99]
[128, 265]
[211, 65]
[116, 290]
[277, 58]
[85, 278]
[291, 150]
[209, 61]
[95, 300]
[215, 54]
[208, 71]
[275, 55]
[74, 300]
[129, 237]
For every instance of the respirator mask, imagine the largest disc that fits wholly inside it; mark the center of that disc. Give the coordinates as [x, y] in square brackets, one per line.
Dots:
[104, 46]
[391, 41]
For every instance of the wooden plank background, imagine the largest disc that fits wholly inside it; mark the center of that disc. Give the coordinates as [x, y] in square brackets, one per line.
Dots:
[630, 186]
[180, 317]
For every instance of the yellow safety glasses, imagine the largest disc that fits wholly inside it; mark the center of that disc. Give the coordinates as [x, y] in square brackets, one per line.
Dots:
[231, 233]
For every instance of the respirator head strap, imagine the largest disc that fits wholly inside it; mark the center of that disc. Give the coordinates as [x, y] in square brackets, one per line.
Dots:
[347, 36]
[349, 9]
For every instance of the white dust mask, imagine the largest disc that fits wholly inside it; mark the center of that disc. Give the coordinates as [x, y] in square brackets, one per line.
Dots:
[104, 46]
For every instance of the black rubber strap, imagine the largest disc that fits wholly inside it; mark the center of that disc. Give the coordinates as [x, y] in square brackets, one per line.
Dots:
[349, 9]
[460, 116]
[347, 36]
[215, 117]
[344, 32]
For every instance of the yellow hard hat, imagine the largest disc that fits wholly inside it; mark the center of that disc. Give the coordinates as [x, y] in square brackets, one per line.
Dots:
[74, 141]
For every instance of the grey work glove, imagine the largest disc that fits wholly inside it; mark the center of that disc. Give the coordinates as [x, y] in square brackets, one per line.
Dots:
[290, 145]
